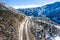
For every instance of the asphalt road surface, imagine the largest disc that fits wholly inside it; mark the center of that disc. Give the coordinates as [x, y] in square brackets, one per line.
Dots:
[25, 33]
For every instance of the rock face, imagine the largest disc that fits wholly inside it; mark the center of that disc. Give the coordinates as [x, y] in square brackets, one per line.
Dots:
[10, 21]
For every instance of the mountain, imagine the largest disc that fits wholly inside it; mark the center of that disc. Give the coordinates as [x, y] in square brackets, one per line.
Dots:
[31, 11]
[51, 11]
[15, 25]
[10, 20]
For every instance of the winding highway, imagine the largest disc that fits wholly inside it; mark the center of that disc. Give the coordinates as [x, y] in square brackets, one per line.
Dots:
[24, 31]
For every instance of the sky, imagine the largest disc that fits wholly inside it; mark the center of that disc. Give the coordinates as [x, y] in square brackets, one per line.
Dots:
[27, 3]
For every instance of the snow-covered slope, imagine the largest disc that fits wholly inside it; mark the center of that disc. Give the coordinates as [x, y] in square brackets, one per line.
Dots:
[31, 11]
[51, 11]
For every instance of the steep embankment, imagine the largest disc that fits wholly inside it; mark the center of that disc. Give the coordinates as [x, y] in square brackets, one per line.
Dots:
[10, 22]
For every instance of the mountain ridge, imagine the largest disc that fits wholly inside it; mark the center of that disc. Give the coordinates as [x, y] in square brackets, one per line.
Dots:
[50, 10]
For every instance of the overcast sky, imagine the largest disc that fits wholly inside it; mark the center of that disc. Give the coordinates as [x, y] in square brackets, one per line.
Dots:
[27, 3]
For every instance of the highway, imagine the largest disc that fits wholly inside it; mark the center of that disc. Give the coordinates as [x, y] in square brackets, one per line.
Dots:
[27, 30]
[24, 31]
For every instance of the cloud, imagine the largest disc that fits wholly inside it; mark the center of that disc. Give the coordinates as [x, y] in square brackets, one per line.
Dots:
[26, 6]
[31, 5]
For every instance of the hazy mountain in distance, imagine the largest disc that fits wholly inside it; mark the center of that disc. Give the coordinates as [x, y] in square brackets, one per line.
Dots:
[31, 11]
[51, 11]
